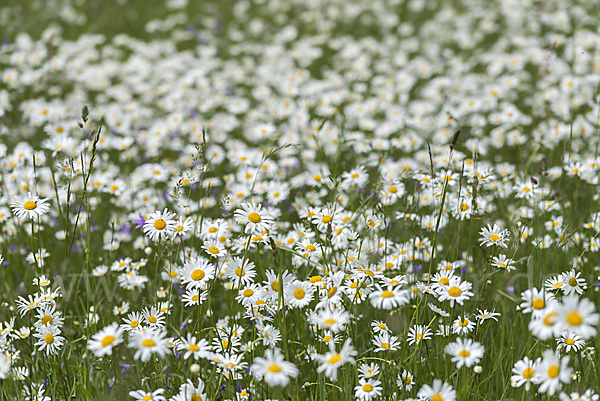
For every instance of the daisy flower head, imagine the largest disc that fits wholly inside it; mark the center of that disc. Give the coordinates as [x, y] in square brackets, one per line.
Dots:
[484, 315]
[196, 273]
[188, 391]
[390, 298]
[148, 396]
[30, 206]
[535, 301]
[299, 294]
[253, 218]
[569, 341]
[577, 315]
[463, 325]
[502, 262]
[273, 368]
[368, 370]
[418, 333]
[148, 342]
[523, 372]
[367, 389]
[241, 271]
[438, 392]
[494, 236]
[191, 347]
[465, 352]
[455, 291]
[385, 342]
[106, 339]
[49, 339]
[405, 380]
[214, 248]
[332, 360]
[551, 371]
[160, 225]
[573, 283]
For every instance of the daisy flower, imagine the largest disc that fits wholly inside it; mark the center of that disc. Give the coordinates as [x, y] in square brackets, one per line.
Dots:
[148, 342]
[545, 325]
[385, 342]
[334, 320]
[463, 325]
[456, 291]
[332, 360]
[241, 271]
[484, 315]
[418, 333]
[465, 352]
[196, 273]
[194, 297]
[390, 298]
[405, 380]
[49, 339]
[572, 283]
[198, 349]
[570, 341]
[30, 206]
[299, 294]
[105, 340]
[273, 368]
[368, 370]
[254, 220]
[160, 225]
[132, 321]
[534, 301]
[551, 372]
[502, 262]
[378, 326]
[214, 248]
[187, 391]
[494, 236]
[367, 389]
[577, 315]
[438, 392]
[146, 396]
[524, 371]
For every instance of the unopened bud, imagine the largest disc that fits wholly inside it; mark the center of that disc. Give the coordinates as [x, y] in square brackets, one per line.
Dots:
[195, 369]
[477, 369]
[148, 250]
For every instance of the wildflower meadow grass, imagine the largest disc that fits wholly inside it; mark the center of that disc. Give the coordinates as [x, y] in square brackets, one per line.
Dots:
[299, 200]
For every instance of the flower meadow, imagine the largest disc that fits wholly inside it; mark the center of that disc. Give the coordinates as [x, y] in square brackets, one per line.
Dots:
[300, 200]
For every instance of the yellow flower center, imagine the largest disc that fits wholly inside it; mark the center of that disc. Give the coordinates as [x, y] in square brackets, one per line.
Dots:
[528, 373]
[275, 286]
[47, 320]
[134, 324]
[315, 279]
[538, 303]
[30, 205]
[329, 321]
[310, 247]
[387, 294]
[160, 224]
[239, 272]
[195, 297]
[367, 388]
[254, 217]
[212, 230]
[495, 237]
[569, 341]
[382, 326]
[553, 371]
[108, 340]
[385, 345]
[445, 280]
[196, 397]
[152, 319]
[335, 359]
[326, 219]
[49, 338]
[147, 398]
[549, 319]
[574, 318]
[464, 353]
[248, 293]
[274, 368]
[148, 342]
[454, 292]
[332, 291]
[464, 207]
[464, 323]
[299, 293]
[437, 397]
[369, 273]
[214, 250]
[573, 282]
[193, 348]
